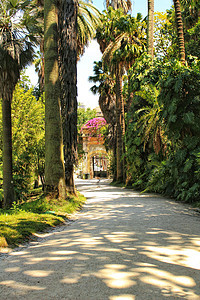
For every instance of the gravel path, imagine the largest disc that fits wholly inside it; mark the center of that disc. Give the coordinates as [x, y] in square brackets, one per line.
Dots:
[122, 245]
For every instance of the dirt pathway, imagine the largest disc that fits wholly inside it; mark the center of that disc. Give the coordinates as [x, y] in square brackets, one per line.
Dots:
[122, 245]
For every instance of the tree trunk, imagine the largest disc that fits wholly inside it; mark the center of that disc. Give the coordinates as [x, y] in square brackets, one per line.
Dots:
[68, 79]
[8, 187]
[54, 159]
[120, 127]
[150, 27]
[114, 150]
[180, 30]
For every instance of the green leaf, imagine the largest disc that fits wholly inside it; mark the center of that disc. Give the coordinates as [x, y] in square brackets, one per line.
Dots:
[188, 165]
[188, 118]
[172, 118]
[14, 2]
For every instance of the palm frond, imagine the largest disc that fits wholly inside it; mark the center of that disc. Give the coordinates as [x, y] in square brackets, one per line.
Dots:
[88, 19]
[126, 5]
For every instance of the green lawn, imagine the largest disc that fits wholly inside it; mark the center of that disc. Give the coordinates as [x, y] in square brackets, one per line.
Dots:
[22, 220]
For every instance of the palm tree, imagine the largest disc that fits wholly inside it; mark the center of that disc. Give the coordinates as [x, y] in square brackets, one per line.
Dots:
[105, 89]
[107, 103]
[150, 26]
[77, 24]
[88, 18]
[118, 55]
[16, 51]
[68, 80]
[68, 39]
[126, 5]
[180, 30]
[54, 160]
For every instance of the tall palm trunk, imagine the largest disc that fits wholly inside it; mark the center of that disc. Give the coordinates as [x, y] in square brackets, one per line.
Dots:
[54, 160]
[7, 150]
[180, 30]
[68, 78]
[150, 27]
[120, 120]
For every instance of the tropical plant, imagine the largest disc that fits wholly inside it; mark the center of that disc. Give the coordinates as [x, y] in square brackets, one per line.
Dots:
[27, 138]
[105, 87]
[94, 127]
[16, 51]
[144, 134]
[120, 54]
[74, 34]
[88, 18]
[190, 12]
[125, 5]
[164, 116]
[191, 20]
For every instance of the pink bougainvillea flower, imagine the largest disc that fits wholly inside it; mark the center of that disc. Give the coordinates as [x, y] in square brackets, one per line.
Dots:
[95, 123]
[93, 126]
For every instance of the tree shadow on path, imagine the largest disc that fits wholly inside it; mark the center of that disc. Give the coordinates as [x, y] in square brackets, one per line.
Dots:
[122, 245]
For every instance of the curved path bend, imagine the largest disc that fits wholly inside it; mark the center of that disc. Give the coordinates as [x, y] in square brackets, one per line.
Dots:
[122, 245]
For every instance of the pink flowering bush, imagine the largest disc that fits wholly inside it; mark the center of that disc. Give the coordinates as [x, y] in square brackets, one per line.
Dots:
[94, 126]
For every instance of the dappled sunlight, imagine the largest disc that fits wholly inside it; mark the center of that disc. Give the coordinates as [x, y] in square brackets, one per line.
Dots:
[114, 277]
[181, 280]
[21, 286]
[185, 257]
[89, 242]
[119, 237]
[122, 297]
[38, 273]
[70, 280]
[195, 241]
[177, 285]
[14, 269]
[126, 248]
[62, 252]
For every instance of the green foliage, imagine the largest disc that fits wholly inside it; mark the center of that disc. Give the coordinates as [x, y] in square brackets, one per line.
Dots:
[28, 139]
[163, 31]
[181, 101]
[163, 128]
[166, 42]
[193, 40]
[88, 19]
[114, 23]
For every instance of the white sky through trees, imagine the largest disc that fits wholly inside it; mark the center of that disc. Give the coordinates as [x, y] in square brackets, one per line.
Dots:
[92, 53]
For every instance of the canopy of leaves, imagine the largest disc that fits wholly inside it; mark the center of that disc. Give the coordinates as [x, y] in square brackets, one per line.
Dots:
[114, 23]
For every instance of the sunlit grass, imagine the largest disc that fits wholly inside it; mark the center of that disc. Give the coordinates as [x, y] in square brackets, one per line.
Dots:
[22, 220]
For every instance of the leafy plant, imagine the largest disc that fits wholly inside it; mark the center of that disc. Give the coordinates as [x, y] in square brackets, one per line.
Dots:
[28, 138]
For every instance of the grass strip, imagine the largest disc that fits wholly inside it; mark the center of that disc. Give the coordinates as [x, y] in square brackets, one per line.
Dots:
[19, 223]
